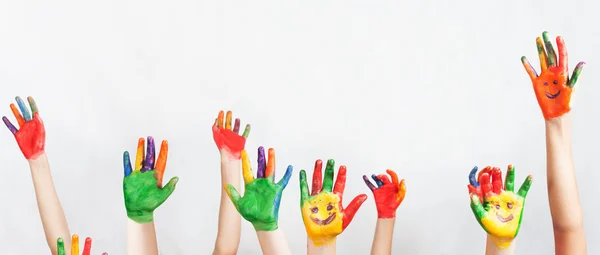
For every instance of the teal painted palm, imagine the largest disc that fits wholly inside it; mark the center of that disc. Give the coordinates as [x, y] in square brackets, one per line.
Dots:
[142, 187]
[260, 203]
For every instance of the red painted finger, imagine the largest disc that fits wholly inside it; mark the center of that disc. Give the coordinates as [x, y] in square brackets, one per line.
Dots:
[562, 54]
[497, 180]
[351, 210]
[87, 248]
[476, 191]
[340, 182]
[487, 170]
[486, 185]
[384, 178]
[317, 179]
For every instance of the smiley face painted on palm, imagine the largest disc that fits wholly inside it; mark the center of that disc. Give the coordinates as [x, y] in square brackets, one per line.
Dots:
[323, 210]
[503, 214]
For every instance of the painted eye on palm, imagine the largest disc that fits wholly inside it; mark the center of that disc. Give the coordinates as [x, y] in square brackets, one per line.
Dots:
[328, 209]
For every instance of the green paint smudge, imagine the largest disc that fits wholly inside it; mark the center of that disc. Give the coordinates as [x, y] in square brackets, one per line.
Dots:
[142, 196]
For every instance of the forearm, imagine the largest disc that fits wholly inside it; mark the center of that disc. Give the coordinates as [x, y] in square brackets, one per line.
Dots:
[492, 248]
[384, 232]
[228, 235]
[328, 249]
[141, 238]
[51, 212]
[273, 242]
[567, 215]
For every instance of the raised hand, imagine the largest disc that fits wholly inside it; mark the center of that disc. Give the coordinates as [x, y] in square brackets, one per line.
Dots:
[501, 210]
[75, 246]
[142, 187]
[228, 140]
[260, 204]
[31, 135]
[388, 194]
[323, 214]
[553, 87]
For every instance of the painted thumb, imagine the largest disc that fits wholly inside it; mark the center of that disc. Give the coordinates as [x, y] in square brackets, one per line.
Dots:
[170, 187]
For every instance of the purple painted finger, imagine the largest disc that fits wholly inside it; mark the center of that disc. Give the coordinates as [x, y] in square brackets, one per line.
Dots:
[9, 125]
[369, 184]
[148, 163]
[262, 163]
[236, 126]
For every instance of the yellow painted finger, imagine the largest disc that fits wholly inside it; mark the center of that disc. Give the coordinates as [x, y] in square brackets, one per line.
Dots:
[75, 245]
[139, 156]
[228, 120]
[542, 53]
[246, 168]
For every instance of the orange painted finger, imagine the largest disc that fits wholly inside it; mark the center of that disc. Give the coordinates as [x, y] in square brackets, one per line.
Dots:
[161, 163]
[139, 156]
[563, 57]
[220, 119]
[393, 175]
[75, 245]
[270, 171]
[17, 115]
[541, 53]
[402, 191]
[228, 120]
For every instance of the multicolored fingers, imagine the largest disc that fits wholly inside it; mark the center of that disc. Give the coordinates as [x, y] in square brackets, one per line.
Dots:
[328, 180]
[23, 108]
[21, 116]
[148, 163]
[351, 209]
[576, 73]
[340, 182]
[75, 245]
[246, 167]
[60, 246]
[377, 181]
[317, 180]
[509, 184]
[525, 187]
[549, 49]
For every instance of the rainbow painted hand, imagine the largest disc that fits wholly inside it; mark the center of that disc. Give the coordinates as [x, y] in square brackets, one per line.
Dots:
[87, 248]
[498, 209]
[322, 211]
[31, 136]
[553, 87]
[260, 204]
[142, 187]
[228, 140]
[388, 194]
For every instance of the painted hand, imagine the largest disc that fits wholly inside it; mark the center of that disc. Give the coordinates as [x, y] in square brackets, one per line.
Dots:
[260, 204]
[228, 140]
[501, 210]
[142, 187]
[75, 246]
[388, 194]
[31, 136]
[553, 87]
[322, 211]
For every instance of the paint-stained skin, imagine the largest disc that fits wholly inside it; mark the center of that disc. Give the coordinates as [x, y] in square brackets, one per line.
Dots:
[142, 185]
[260, 203]
[495, 206]
[388, 194]
[322, 210]
[87, 247]
[31, 134]
[227, 139]
[553, 87]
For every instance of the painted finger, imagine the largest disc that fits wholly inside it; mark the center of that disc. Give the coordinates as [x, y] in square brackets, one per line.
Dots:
[351, 210]
[576, 73]
[9, 125]
[23, 108]
[161, 163]
[303, 187]
[317, 179]
[472, 189]
[262, 164]
[75, 245]
[497, 181]
[377, 181]
[221, 119]
[472, 178]
[17, 114]
[168, 189]
[550, 49]
[477, 207]
[509, 183]
[328, 180]
[139, 156]
[476, 191]
[246, 168]
[384, 178]
[87, 247]
[528, 68]
[486, 185]
[233, 194]
[246, 131]
[563, 57]
[32, 105]
[487, 169]
[541, 53]
[340, 182]
[126, 163]
[60, 246]
[148, 163]
[286, 177]
[228, 118]
[236, 127]
[525, 187]
[402, 191]
[369, 184]
[270, 172]
[393, 175]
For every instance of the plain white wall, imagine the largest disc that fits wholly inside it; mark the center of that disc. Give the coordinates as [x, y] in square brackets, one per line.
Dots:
[427, 88]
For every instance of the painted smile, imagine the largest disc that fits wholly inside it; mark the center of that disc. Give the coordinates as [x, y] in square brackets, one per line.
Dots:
[504, 220]
[552, 96]
[325, 221]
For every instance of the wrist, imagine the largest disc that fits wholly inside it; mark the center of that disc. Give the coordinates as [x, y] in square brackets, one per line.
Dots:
[228, 156]
[386, 214]
[265, 226]
[559, 122]
[140, 216]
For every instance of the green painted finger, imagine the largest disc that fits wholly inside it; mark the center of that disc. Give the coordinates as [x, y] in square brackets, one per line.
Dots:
[61, 247]
[477, 207]
[328, 180]
[168, 189]
[303, 187]
[509, 183]
[33, 105]
[233, 194]
[550, 49]
[576, 73]
[525, 187]
[246, 131]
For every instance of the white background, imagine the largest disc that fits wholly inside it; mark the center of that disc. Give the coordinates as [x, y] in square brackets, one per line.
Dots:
[427, 88]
